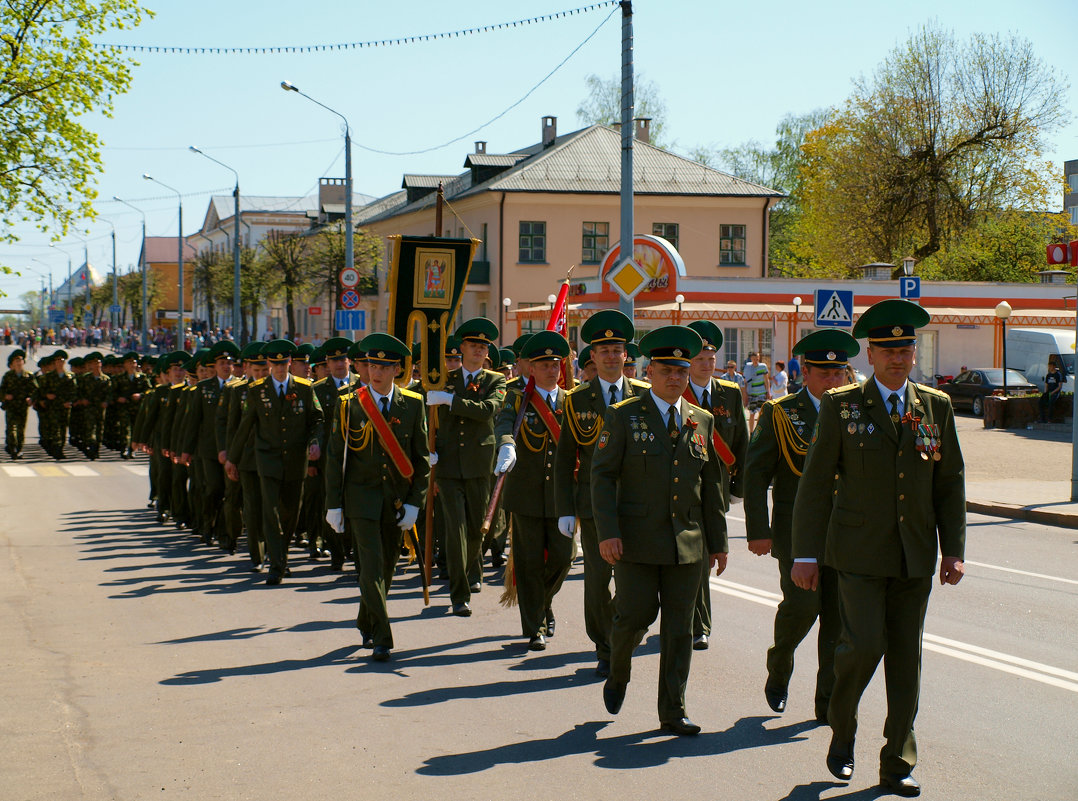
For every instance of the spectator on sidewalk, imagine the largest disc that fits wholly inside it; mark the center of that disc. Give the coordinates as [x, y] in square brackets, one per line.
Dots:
[779, 381]
[758, 383]
[1053, 386]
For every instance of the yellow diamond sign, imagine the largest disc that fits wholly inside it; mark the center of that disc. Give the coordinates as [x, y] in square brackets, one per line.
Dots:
[627, 279]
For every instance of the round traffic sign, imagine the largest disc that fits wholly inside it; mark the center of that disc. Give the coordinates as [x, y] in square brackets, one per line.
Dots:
[349, 299]
[349, 277]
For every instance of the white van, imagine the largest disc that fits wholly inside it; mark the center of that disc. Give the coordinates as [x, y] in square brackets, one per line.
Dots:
[1029, 349]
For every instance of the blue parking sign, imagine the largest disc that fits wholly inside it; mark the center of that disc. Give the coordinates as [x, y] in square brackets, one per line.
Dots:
[909, 287]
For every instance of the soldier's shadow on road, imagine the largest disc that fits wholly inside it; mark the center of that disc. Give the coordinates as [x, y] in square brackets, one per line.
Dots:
[339, 656]
[814, 792]
[624, 752]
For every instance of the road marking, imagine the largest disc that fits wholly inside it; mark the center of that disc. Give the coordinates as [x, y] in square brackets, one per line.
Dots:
[79, 470]
[48, 470]
[1015, 665]
[137, 469]
[19, 471]
[731, 517]
[1021, 572]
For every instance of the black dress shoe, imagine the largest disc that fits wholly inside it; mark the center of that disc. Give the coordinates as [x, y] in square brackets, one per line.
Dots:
[496, 560]
[462, 610]
[273, 579]
[337, 565]
[776, 698]
[550, 623]
[905, 786]
[682, 727]
[381, 653]
[475, 587]
[537, 643]
[288, 572]
[315, 553]
[602, 669]
[700, 643]
[840, 759]
[368, 639]
[256, 568]
[613, 695]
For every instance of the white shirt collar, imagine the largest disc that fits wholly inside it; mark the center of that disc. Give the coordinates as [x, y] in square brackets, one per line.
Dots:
[814, 399]
[279, 385]
[698, 390]
[664, 407]
[618, 385]
[378, 398]
[886, 392]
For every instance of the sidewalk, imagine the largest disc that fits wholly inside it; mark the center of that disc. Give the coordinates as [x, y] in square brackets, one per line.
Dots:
[1046, 502]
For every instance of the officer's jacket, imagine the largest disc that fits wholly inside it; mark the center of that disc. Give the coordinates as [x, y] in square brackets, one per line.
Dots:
[329, 396]
[777, 454]
[200, 423]
[20, 386]
[873, 501]
[465, 441]
[125, 386]
[94, 389]
[728, 409]
[529, 486]
[661, 496]
[281, 429]
[153, 422]
[370, 480]
[585, 407]
[172, 416]
[233, 412]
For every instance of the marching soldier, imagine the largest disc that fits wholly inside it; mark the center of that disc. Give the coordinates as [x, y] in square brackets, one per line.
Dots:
[56, 394]
[329, 390]
[17, 393]
[200, 442]
[465, 454]
[243, 494]
[522, 366]
[172, 423]
[75, 413]
[723, 400]
[376, 479]
[154, 433]
[281, 421]
[95, 390]
[777, 455]
[606, 332]
[881, 496]
[586, 362]
[542, 554]
[657, 498]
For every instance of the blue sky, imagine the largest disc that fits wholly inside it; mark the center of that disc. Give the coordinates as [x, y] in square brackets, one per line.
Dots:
[727, 72]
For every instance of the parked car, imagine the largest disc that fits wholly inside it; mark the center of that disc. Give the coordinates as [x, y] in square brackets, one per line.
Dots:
[968, 389]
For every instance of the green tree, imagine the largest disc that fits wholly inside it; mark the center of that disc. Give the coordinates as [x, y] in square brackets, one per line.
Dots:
[325, 260]
[944, 134]
[284, 258]
[52, 75]
[130, 292]
[602, 104]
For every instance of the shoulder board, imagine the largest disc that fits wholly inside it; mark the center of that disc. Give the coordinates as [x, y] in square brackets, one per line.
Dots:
[637, 383]
[787, 397]
[409, 394]
[321, 381]
[258, 381]
[844, 388]
[303, 382]
[930, 390]
[626, 402]
[191, 389]
[581, 387]
[178, 386]
[728, 384]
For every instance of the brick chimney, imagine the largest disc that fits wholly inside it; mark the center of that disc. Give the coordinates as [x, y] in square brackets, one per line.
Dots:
[480, 147]
[550, 130]
[643, 129]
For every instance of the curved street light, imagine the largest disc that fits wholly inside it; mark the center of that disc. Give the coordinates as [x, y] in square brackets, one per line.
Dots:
[145, 327]
[180, 327]
[237, 324]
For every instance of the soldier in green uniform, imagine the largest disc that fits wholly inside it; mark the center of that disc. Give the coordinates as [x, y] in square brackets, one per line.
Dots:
[329, 390]
[506, 359]
[243, 495]
[153, 433]
[75, 416]
[776, 456]
[95, 389]
[377, 472]
[657, 499]
[465, 456]
[37, 402]
[57, 394]
[586, 361]
[542, 554]
[881, 496]
[172, 425]
[282, 422]
[17, 389]
[200, 443]
[522, 366]
[606, 332]
[723, 400]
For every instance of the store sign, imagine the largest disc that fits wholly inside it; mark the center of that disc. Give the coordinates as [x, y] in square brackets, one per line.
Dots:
[657, 261]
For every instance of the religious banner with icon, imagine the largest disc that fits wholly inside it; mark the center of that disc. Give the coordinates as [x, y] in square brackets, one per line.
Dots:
[427, 276]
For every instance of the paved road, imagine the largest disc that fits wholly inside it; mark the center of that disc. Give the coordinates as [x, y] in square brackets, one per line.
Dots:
[139, 664]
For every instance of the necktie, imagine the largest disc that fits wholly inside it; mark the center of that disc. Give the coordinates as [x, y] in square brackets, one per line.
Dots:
[671, 422]
[895, 417]
[550, 401]
[705, 400]
[280, 392]
[385, 407]
[613, 394]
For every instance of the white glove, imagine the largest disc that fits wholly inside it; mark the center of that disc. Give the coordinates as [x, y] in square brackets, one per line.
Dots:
[335, 518]
[411, 514]
[436, 397]
[567, 525]
[433, 458]
[507, 457]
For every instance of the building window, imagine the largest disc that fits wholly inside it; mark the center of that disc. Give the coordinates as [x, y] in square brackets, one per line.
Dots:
[532, 242]
[1072, 181]
[1074, 215]
[596, 242]
[667, 231]
[731, 244]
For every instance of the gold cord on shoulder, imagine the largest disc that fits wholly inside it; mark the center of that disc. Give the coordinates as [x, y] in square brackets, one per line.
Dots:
[791, 444]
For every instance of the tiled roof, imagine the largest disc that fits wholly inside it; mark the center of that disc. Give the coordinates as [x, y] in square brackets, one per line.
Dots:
[223, 205]
[163, 249]
[425, 181]
[493, 159]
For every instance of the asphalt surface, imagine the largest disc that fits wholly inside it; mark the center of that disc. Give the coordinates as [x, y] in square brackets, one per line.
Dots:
[140, 664]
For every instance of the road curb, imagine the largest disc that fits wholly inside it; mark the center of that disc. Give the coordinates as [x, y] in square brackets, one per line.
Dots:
[1017, 512]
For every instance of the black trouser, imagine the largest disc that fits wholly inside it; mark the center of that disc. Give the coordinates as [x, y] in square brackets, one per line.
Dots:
[464, 502]
[252, 515]
[1047, 405]
[14, 430]
[280, 507]
[212, 476]
[598, 602]
[542, 556]
[378, 546]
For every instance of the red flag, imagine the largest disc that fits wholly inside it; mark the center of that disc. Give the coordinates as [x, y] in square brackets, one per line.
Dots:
[559, 322]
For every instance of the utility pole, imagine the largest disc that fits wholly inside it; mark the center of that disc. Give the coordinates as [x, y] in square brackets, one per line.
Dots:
[627, 306]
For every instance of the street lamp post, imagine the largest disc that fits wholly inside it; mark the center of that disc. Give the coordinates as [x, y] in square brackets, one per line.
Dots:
[236, 323]
[551, 299]
[1003, 311]
[679, 298]
[42, 277]
[797, 301]
[349, 254]
[180, 327]
[85, 272]
[114, 314]
[506, 303]
[69, 309]
[145, 327]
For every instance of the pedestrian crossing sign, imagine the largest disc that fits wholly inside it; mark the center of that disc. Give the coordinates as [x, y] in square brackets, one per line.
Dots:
[834, 308]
